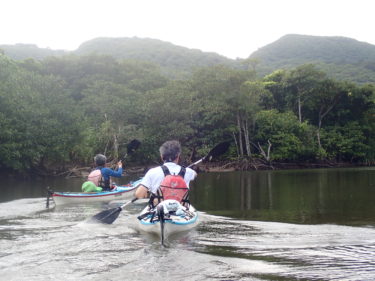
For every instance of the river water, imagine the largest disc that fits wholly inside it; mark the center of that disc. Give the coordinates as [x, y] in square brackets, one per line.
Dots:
[266, 225]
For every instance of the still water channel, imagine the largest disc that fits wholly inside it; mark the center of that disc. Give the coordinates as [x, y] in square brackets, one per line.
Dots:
[266, 225]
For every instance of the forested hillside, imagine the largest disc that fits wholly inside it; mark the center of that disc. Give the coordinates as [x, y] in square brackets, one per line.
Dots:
[342, 58]
[58, 112]
[174, 61]
[29, 51]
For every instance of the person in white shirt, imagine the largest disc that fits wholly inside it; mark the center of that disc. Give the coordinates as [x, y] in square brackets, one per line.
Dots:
[170, 152]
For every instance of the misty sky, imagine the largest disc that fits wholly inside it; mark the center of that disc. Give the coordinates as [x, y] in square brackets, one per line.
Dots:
[233, 28]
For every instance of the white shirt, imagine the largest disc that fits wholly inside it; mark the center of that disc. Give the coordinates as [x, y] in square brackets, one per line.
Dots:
[155, 176]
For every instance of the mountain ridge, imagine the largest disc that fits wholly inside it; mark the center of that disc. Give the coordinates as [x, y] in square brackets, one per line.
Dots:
[341, 57]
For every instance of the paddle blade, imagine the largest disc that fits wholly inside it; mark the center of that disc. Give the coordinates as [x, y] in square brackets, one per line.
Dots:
[49, 194]
[218, 150]
[133, 146]
[162, 231]
[160, 212]
[107, 216]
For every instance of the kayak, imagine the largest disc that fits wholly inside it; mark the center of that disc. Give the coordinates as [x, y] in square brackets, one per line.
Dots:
[119, 192]
[168, 218]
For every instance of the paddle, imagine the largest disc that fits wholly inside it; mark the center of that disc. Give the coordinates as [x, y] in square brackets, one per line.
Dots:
[218, 150]
[110, 215]
[132, 146]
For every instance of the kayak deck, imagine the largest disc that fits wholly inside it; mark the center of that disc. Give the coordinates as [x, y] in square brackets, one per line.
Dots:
[173, 223]
[116, 190]
[119, 192]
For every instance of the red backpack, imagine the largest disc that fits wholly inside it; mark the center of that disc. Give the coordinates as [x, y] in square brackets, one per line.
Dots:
[174, 186]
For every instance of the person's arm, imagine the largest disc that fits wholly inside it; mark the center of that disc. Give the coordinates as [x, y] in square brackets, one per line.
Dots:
[118, 173]
[141, 192]
[146, 184]
[191, 174]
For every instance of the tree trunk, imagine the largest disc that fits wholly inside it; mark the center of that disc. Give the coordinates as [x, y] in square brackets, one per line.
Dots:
[318, 132]
[323, 113]
[236, 143]
[267, 156]
[247, 138]
[115, 147]
[240, 134]
[299, 109]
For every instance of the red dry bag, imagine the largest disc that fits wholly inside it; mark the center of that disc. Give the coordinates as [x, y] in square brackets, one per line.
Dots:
[174, 186]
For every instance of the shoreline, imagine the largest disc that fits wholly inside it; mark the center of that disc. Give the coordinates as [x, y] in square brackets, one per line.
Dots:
[209, 167]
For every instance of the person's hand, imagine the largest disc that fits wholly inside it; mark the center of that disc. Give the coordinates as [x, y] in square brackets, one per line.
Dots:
[119, 164]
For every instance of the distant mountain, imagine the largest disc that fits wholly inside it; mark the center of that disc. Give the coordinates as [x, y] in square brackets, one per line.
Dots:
[339, 57]
[171, 58]
[26, 51]
[174, 61]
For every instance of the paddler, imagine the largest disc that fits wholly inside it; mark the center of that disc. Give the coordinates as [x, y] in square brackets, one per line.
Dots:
[170, 152]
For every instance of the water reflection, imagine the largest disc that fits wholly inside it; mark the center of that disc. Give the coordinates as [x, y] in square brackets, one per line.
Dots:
[342, 196]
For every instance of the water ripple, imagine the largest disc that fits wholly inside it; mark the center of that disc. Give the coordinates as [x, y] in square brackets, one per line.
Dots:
[37, 244]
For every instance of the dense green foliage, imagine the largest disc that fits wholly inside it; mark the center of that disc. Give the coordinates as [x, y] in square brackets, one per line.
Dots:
[60, 111]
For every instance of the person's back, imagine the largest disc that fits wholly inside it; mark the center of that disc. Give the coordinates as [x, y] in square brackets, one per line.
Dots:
[170, 153]
[105, 173]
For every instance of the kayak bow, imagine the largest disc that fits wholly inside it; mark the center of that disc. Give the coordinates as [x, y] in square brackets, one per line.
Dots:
[162, 222]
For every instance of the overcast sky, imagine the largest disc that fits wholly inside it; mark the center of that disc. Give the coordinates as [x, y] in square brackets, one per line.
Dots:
[233, 28]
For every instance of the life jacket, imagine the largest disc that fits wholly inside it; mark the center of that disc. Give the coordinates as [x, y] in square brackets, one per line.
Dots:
[172, 187]
[97, 178]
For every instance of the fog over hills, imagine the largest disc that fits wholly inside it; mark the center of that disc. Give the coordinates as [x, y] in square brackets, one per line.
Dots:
[340, 57]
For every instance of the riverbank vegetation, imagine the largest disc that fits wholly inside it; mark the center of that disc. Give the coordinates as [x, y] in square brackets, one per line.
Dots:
[58, 113]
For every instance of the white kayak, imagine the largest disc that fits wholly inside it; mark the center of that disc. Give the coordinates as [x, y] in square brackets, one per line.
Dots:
[167, 218]
[117, 193]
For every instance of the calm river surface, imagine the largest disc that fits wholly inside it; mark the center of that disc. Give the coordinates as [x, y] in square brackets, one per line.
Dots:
[266, 225]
